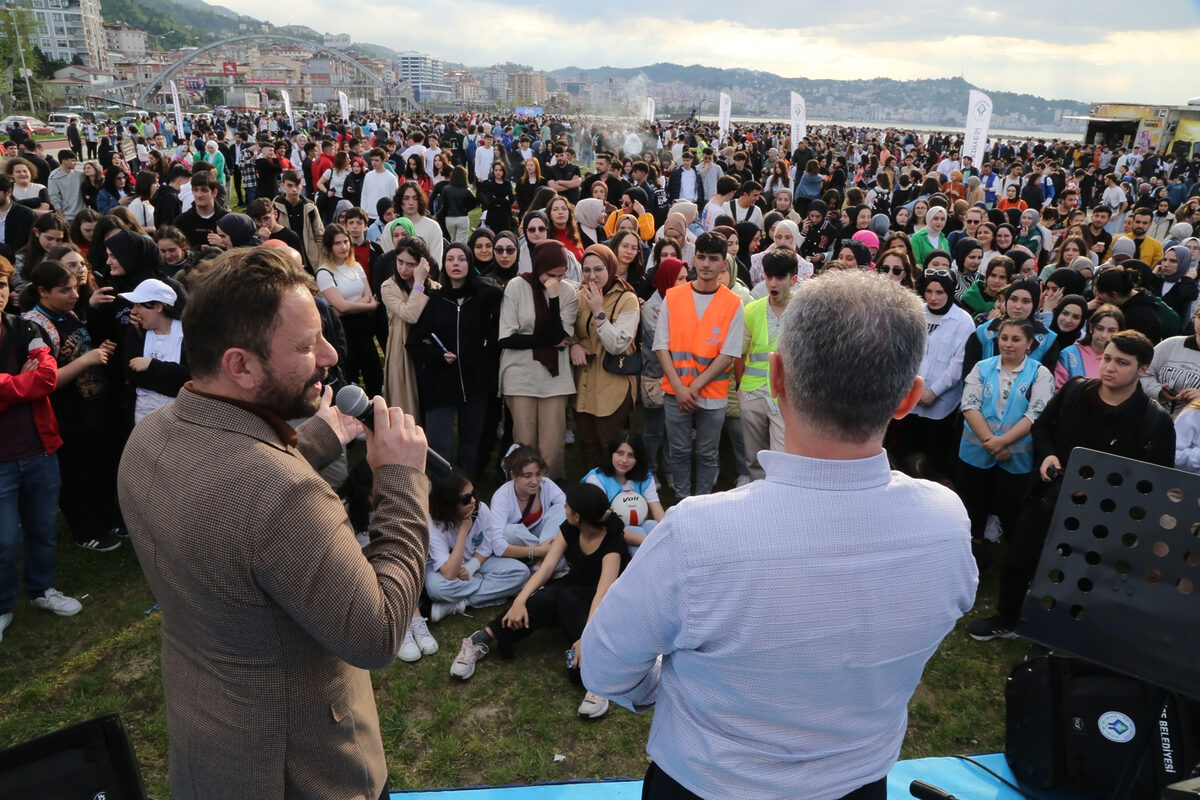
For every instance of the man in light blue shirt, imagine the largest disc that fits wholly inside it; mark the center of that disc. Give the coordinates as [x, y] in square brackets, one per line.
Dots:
[794, 616]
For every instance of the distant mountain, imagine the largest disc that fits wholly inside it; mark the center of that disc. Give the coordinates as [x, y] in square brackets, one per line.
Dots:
[904, 97]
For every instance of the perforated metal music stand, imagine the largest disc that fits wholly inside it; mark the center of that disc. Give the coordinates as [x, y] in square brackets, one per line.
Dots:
[1118, 582]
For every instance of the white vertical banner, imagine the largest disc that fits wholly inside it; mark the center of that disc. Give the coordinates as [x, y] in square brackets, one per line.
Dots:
[723, 115]
[179, 134]
[799, 120]
[287, 105]
[344, 102]
[979, 117]
[650, 110]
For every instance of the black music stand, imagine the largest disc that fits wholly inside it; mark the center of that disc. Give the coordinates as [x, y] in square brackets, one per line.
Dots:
[90, 760]
[1118, 581]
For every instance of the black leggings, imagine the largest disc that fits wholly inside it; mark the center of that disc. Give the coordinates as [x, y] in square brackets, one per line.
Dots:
[557, 603]
[87, 465]
[991, 491]
[658, 785]
[361, 355]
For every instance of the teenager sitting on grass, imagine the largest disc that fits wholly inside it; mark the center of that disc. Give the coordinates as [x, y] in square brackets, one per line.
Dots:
[528, 509]
[626, 470]
[466, 566]
[592, 541]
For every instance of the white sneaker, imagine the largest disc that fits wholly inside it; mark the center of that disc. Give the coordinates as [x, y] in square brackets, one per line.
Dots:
[409, 651]
[593, 706]
[464, 663]
[420, 632]
[5, 621]
[59, 603]
[993, 530]
[439, 610]
[743, 480]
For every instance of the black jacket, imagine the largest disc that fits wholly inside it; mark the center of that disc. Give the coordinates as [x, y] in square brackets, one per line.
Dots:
[675, 179]
[1140, 315]
[163, 377]
[1139, 428]
[18, 224]
[167, 205]
[469, 331]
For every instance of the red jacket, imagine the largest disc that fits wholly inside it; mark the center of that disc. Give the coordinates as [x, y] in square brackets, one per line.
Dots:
[319, 165]
[35, 386]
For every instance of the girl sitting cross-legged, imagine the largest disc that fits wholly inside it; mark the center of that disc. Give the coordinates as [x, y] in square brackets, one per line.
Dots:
[593, 543]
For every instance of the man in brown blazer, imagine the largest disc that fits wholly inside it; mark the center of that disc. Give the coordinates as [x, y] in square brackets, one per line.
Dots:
[271, 613]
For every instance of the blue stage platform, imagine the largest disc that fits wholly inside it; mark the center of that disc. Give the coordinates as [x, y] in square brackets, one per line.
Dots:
[961, 778]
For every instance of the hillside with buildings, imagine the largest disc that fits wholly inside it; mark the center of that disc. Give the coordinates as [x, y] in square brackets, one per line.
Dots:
[117, 48]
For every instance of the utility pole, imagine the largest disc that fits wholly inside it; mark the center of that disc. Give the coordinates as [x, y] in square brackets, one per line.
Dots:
[21, 50]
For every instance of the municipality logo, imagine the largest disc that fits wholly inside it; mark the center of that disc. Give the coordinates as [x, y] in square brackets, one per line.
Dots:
[1116, 727]
[981, 109]
[798, 109]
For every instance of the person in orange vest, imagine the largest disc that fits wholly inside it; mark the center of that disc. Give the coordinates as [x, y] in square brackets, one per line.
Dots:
[699, 334]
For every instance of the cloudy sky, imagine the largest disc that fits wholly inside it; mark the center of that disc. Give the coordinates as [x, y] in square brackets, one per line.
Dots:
[1103, 50]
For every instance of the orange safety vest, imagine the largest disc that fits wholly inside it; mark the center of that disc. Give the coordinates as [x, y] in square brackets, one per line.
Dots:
[695, 343]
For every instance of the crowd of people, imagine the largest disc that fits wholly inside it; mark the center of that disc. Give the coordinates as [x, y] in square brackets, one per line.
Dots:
[1058, 282]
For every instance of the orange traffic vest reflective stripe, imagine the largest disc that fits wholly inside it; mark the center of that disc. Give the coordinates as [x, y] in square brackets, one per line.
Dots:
[695, 343]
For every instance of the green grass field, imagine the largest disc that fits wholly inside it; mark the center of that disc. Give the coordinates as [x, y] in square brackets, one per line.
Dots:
[504, 726]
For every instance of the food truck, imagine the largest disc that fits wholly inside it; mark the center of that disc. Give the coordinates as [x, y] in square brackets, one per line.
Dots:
[1168, 129]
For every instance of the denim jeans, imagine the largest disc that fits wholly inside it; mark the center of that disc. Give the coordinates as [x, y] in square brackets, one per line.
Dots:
[28, 502]
[680, 424]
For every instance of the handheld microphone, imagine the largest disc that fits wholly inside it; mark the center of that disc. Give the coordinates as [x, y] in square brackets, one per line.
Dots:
[352, 401]
[924, 791]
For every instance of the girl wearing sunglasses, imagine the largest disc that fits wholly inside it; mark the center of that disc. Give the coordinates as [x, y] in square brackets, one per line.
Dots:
[465, 566]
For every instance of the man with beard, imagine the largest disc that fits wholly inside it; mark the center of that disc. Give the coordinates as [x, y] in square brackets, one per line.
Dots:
[271, 611]
[1145, 248]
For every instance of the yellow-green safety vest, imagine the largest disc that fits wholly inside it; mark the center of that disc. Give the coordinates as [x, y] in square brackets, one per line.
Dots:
[761, 346]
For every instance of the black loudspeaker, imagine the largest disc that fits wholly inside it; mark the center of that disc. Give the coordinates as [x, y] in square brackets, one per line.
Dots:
[93, 760]
[1070, 726]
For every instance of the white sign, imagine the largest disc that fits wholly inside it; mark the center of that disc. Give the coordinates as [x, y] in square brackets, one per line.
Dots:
[723, 116]
[179, 135]
[799, 120]
[287, 105]
[344, 102]
[979, 117]
[650, 110]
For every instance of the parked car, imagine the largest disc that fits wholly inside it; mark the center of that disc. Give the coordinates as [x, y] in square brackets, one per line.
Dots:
[60, 120]
[32, 125]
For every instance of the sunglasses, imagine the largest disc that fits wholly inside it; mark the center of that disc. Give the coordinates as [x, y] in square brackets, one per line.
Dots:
[535, 229]
[504, 250]
[900, 271]
[929, 273]
[467, 499]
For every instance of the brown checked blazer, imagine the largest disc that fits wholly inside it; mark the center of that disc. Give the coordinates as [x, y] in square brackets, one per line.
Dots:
[271, 613]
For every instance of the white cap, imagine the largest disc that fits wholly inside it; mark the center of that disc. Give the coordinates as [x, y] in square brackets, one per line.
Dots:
[152, 290]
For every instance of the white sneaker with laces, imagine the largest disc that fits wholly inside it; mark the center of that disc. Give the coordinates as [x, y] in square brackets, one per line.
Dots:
[420, 632]
[5, 621]
[59, 603]
[410, 651]
[439, 610]
[464, 663]
[593, 706]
